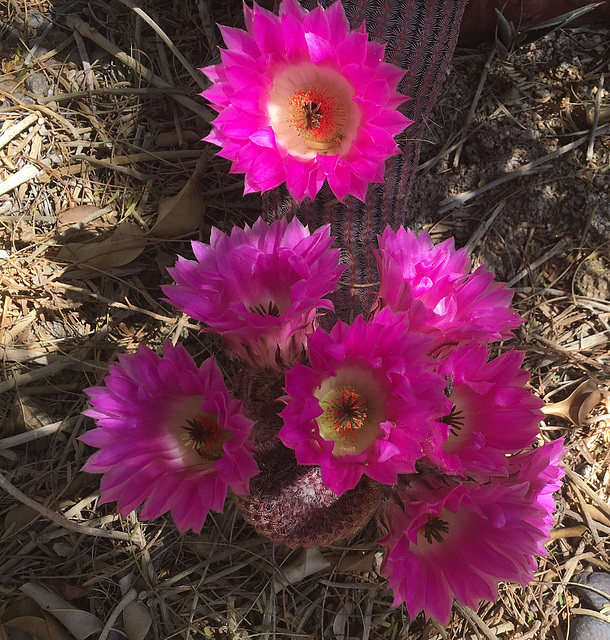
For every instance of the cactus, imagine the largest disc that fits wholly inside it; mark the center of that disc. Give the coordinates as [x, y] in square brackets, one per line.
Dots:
[420, 37]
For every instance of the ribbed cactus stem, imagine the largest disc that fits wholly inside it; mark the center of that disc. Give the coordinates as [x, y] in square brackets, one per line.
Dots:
[420, 37]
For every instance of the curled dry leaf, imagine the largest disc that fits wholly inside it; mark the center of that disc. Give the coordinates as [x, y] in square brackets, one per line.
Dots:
[183, 213]
[578, 405]
[33, 628]
[81, 624]
[124, 245]
[136, 620]
[604, 114]
[308, 562]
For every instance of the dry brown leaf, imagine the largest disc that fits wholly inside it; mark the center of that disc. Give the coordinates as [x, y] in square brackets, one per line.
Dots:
[27, 628]
[73, 215]
[604, 114]
[308, 562]
[35, 628]
[124, 245]
[136, 620]
[355, 564]
[577, 406]
[170, 138]
[20, 516]
[183, 213]
[200, 545]
[81, 624]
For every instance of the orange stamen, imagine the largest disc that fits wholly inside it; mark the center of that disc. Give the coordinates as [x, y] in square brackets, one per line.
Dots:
[347, 412]
[316, 115]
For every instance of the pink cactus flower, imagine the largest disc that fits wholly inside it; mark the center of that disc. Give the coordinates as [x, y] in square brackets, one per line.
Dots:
[493, 412]
[365, 405]
[434, 285]
[449, 540]
[302, 99]
[170, 436]
[261, 289]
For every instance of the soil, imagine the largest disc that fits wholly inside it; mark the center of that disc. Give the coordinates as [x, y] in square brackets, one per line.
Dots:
[533, 102]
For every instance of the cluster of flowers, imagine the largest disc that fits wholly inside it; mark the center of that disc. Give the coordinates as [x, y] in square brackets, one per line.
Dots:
[408, 395]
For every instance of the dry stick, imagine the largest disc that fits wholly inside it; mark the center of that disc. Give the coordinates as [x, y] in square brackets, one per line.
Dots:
[130, 596]
[483, 228]
[587, 516]
[58, 518]
[147, 156]
[114, 91]
[475, 620]
[598, 106]
[461, 198]
[34, 434]
[25, 174]
[473, 106]
[48, 370]
[577, 481]
[118, 305]
[16, 129]
[75, 23]
[534, 265]
[185, 63]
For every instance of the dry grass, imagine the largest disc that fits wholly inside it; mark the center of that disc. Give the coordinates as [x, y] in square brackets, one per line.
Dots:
[109, 119]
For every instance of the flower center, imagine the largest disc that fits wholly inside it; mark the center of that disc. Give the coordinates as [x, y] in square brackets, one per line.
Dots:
[434, 529]
[205, 436]
[455, 420]
[345, 414]
[318, 117]
[272, 309]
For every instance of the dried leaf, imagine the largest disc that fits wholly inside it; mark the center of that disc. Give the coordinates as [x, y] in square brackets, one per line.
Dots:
[81, 624]
[604, 114]
[35, 628]
[124, 245]
[309, 561]
[27, 628]
[170, 138]
[73, 215]
[20, 516]
[183, 213]
[577, 406]
[355, 563]
[136, 620]
[527, 36]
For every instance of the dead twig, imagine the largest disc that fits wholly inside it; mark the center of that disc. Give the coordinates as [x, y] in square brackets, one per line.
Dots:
[74, 22]
[186, 64]
[59, 519]
[526, 169]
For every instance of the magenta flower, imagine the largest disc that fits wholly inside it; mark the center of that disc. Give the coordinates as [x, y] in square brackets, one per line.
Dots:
[259, 288]
[543, 470]
[301, 99]
[450, 540]
[170, 436]
[433, 284]
[365, 405]
[494, 413]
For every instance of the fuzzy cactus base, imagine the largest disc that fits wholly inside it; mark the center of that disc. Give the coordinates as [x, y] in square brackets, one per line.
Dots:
[289, 503]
